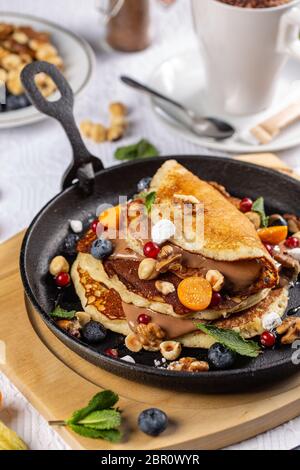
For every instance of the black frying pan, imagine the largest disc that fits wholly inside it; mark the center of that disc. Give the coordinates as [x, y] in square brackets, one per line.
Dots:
[95, 185]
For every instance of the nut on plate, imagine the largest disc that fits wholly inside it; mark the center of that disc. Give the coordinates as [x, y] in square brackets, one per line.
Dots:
[132, 343]
[165, 252]
[170, 350]
[147, 269]
[98, 133]
[290, 329]
[115, 132]
[150, 336]
[189, 364]
[59, 264]
[255, 218]
[168, 264]
[216, 279]
[164, 287]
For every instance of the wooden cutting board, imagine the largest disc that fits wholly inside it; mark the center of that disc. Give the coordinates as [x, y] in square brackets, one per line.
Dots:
[57, 381]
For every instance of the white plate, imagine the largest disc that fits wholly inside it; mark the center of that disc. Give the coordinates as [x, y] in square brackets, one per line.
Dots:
[78, 59]
[182, 77]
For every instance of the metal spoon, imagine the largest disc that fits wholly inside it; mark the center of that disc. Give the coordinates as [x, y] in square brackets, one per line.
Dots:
[202, 126]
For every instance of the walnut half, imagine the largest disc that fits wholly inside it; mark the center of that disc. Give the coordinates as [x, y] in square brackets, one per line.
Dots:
[189, 364]
[150, 336]
[290, 329]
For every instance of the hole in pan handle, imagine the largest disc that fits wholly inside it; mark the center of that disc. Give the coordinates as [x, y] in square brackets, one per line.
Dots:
[84, 164]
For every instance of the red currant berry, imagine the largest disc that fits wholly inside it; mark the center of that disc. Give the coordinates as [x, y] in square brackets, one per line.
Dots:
[269, 248]
[62, 279]
[111, 352]
[292, 242]
[267, 339]
[94, 225]
[246, 204]
[151, 250]
[216, 299]
[143, 318]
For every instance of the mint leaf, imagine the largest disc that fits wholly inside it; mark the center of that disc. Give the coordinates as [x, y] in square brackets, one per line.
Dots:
[59, 312]
[104, 419]
[142, 149]
[149, 200]
[231, 339]
[101, 401]
[259, 207]
[112, 435]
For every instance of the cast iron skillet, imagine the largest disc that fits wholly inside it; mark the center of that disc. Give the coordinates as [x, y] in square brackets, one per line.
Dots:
[95, 185]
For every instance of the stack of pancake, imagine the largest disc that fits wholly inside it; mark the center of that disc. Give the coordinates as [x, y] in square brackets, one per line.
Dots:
[112, 293]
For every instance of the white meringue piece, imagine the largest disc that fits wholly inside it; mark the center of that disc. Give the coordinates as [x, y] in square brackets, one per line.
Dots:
[162, 231]
[128, 359]
[76, 226]
[295, 253]
[271, 320]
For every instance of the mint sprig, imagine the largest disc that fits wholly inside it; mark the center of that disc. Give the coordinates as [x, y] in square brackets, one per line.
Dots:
[149, 200]
[259, 207]
[142, 149]
[97, 420]
[231, 339]
[59, 312]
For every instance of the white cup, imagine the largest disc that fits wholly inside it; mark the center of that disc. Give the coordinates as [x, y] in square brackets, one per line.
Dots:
[244, 51]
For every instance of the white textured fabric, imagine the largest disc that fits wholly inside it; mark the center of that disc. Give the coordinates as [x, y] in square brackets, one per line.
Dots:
[34, 157]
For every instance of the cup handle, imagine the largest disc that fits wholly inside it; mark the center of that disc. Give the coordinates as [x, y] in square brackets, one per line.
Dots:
[288, 38]
[107, 13]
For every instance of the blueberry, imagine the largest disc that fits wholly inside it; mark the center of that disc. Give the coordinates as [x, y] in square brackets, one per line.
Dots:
[101, 248]
[144, 184]
[276, 220]
[152, 421]
[70, 243]
[14, 102]
[220, 357]
[93, 332]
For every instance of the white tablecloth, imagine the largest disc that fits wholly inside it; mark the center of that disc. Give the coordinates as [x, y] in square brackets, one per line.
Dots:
[34, 157]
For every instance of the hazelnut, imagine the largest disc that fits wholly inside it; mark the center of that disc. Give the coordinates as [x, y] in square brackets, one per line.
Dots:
[255, 218]
[165, 252]
[132, 343]
[216, 279]
[170, 350]
[117, 109]
[11, 61]
[147, 269]
[20, 37]
[164, 287]
[59, 264]
[198, 366]
[45, 50]
[86, 127]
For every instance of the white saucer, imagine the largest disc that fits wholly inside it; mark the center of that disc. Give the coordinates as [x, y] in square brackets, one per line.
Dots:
[77, 55]
[182, 77]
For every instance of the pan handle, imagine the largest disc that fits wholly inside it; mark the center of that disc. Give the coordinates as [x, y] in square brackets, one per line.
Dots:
[84, 164]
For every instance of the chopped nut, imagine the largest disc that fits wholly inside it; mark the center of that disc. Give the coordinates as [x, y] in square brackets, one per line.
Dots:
[20, 37]
[5, 30]
[185, 199]
[147, 269]
[164, 287]
[115, 133]
[293, 222]
[71, 326]
[98, 133]
[189, 364]
[171, 263]
[117, 109]
[45, 50]
[166, 252]
[11, 61]
[170, 350]
[132, 343]
[13, 83]
[255, 218]
[216, 279]
[290, 329]
[150, 336]
[45, 84]
[55, 60]
[86, 127]
[59, 264]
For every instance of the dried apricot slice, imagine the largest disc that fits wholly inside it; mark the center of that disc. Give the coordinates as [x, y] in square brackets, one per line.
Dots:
[195, 293]
[273, 235]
